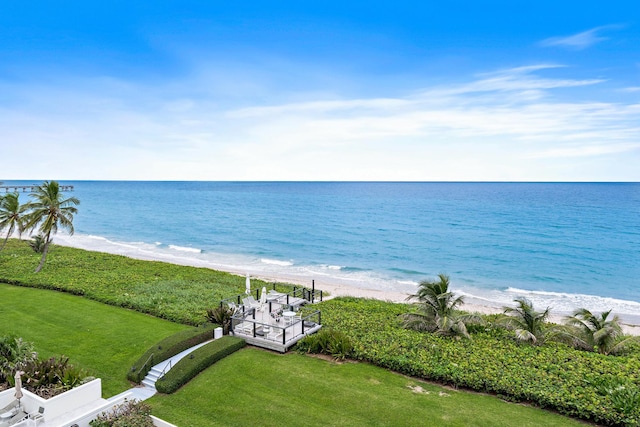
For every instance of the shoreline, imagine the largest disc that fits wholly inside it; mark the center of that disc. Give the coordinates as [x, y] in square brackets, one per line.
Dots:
[471, 304]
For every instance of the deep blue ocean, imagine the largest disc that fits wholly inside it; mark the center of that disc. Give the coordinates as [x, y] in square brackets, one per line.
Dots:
[562, 245]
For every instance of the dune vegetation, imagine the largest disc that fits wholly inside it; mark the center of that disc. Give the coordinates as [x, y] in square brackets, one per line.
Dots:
[589, 385]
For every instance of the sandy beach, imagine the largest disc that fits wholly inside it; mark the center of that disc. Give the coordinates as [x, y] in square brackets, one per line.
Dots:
[342, 290]
[333, 289]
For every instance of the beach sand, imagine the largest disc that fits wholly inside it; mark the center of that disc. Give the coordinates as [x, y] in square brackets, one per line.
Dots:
[343, 290]
[334, 289]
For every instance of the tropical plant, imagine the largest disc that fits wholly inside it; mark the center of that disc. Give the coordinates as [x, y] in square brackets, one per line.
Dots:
[49, 211]
[52, 376]
[327, 341]
[437, 310]
[222, 316]
[598, 332]
[15, 353]
[11, 215]
[37, 243]
[528, 324]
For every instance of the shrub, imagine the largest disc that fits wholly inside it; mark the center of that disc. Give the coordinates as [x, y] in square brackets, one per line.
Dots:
[49, 377]
[167, 348]
[199, 360]
[132, 413]
[624, 394]
[327, 341]
[14, 354]
[222, 316]
[37, 244]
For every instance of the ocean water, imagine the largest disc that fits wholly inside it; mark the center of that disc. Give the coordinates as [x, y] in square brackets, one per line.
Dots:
[564, 245]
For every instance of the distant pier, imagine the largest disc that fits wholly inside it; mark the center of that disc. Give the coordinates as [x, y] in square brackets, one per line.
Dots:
[28, 188]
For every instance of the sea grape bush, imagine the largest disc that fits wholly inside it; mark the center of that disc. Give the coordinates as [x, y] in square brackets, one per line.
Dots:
[177, 293]
[553, 375]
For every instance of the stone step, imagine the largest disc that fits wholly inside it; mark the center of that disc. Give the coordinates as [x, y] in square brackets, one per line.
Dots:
[155, 371]
[154, 375]
[149, 383]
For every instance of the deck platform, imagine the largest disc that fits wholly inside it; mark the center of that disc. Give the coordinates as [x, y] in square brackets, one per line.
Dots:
[262, 328]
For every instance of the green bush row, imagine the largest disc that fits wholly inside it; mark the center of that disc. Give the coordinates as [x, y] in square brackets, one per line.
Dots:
[552, 376]
[199, 360]
[169, 347]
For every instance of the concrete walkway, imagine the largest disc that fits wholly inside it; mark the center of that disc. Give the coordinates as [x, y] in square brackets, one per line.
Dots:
[148, 386]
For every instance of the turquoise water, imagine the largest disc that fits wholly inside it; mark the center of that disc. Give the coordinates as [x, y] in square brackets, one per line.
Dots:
[560, 244]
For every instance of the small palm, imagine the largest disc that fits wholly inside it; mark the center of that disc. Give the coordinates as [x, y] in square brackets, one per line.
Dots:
[599, 333]
[437, 311]
[528, 324]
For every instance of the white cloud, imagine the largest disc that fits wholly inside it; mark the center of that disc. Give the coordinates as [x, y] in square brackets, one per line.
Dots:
[581, 40]
[585, 151]
[505, 125]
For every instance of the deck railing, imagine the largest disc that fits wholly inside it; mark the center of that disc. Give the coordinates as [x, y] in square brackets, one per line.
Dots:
[246, 323]
[294, 294]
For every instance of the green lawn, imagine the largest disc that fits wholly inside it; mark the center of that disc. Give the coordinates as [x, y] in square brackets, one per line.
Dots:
[103, 339]
[256, 387]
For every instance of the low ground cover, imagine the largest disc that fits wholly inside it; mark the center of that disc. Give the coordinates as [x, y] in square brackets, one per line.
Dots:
[258, 387]
[101, 339]
[178, 293]
[553, 375]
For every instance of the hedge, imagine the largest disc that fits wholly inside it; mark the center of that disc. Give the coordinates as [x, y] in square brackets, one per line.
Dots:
[188, 367]
[169, 347]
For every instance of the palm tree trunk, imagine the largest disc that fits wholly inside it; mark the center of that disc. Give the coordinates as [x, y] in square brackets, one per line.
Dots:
[9, 233]
[44, 255]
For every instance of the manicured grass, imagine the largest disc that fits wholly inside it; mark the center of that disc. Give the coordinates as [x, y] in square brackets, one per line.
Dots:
[104, 340]
[256, 387]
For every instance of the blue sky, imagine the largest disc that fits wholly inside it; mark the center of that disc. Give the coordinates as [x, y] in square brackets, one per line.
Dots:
[200, 90]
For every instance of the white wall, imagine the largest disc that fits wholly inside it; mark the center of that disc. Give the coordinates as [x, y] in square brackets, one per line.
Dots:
[68, 401]
[161, 423]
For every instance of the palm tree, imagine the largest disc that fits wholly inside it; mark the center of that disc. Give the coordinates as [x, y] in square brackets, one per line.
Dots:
[50, 211]
[437, 310]
[529, 325]
[11, 215]
[598, 333]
